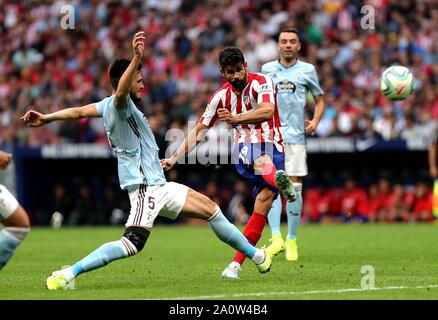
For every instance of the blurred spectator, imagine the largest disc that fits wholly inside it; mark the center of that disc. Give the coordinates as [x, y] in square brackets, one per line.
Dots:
[411, 130]
[84, 210]
[366, 130]
[422, 203]
[353, 202]
[111, 210]
[399, 203]
[385, 125]
[319, 205]
[62, 201]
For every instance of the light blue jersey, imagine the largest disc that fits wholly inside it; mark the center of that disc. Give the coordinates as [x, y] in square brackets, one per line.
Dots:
[133, 143]
[292, 85]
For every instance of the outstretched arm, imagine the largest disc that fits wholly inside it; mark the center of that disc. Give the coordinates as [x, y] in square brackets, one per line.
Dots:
[33, 118]
[122, 92]
[190, 142]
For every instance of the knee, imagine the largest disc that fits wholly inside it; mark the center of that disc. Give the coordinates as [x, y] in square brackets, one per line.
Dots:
[261, 161]
[258, 165]
[211, 207]
[137, 236]
[207, 207]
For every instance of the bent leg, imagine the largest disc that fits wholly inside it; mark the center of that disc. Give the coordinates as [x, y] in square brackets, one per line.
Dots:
[17, 226]
[200, 206]
[19, 218]
[256, 223]
[132, 242]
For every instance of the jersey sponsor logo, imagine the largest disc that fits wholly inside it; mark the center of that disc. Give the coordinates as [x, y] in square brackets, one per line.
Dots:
[285, 86]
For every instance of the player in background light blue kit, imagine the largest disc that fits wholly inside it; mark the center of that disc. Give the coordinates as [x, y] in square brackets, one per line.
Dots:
[293, 79]
[141, 174]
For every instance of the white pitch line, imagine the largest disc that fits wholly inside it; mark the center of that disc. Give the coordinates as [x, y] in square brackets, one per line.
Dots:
[294, 293]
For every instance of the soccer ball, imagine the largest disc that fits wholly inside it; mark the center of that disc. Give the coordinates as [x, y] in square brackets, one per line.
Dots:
[397, 83]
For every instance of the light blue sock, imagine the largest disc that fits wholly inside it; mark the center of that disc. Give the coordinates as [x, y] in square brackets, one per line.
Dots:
[293, 210]
[228, 233]
[105, 254]
[274, 216]
[8, 243]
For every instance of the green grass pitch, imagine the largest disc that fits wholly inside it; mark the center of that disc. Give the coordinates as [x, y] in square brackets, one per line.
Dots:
[186, 262]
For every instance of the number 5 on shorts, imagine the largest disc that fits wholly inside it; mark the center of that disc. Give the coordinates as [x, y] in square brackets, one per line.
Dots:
[151, 202]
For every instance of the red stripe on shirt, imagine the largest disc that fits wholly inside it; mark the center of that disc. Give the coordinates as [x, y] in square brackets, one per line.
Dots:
[214, 118]
[260, 78]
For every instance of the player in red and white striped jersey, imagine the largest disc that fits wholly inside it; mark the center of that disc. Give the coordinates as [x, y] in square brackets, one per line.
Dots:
[256, 94]
[247, 102]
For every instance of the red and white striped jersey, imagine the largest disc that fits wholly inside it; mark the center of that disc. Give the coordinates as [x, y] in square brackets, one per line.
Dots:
[260, 88]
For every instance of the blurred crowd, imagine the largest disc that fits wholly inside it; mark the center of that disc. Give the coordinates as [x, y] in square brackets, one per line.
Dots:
[84, 201]
[381, 201]
[48, 65]
[378, 202]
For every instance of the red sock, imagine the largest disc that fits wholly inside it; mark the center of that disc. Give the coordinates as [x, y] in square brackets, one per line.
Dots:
[268, 174]
[253, 232]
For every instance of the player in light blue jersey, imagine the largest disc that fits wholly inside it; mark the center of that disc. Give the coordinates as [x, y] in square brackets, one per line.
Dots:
[293, 80]
[141, 174]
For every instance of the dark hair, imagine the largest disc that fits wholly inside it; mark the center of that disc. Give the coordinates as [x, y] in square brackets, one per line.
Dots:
[116, 70]
[288, 30]
[231, 56]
